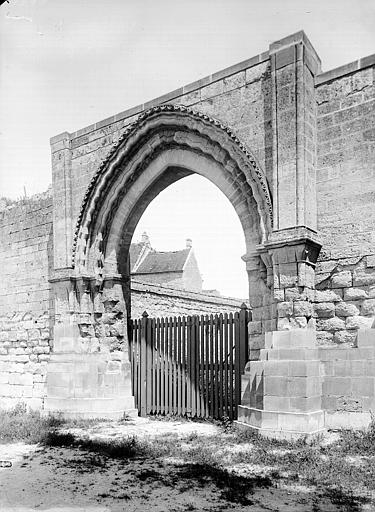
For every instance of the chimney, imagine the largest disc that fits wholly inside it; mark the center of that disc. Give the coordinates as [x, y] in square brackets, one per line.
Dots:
[189, 243]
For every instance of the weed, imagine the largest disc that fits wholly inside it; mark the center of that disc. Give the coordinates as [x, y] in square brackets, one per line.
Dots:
[19, 424]
[358, 442]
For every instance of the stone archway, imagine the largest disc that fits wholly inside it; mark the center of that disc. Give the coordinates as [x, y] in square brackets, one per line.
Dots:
[164, 145]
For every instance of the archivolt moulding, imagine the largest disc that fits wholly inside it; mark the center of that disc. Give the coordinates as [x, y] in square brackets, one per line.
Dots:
[178, 125]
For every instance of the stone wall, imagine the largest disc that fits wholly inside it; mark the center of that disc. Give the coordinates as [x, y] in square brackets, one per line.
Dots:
[163, 301]
[345, 275]
[242, 100]
[25, 323]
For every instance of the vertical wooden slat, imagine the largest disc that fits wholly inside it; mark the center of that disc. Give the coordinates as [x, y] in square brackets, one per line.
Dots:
[188, 365]
[207, 364]
[132, 362]
[179, 365]
[183, 367]
[202, 367]
[154, 363]
[170, 365]
[231, 348]
[226, 355]
[174, 365]
[162, 366]
[130, 348]
[237, 368]
[166, 389]
[143, 364]
[138, 364]
[166, 367]
[220, 375]
[193, 367]
[148, 381]
[167, 361]
[197, 367]
[212, 362]
[216, 408]
[157, 370]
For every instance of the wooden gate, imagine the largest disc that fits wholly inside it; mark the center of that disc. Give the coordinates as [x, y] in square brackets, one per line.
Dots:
[189, 365]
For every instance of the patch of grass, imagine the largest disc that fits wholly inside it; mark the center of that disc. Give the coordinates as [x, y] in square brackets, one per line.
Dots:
[18, 424]
[21, 424]
[356, 442]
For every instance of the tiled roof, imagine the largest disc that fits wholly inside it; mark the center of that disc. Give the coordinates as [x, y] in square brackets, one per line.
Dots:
[134, 253]
[156, 262]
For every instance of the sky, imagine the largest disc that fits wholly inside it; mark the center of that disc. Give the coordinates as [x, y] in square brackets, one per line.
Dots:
[65, 64]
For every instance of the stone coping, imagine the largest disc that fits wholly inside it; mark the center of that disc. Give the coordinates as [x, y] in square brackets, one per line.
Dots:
[346, 69]
[219, 75]
[193, 86]
[141, 286]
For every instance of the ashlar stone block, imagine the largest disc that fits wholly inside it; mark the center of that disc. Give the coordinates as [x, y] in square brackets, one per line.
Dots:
[346, 309]
[302, 308]
[358, 322]
[330, 324]
[364, 278]
[284, 309]
[342, 279]
[355, 294]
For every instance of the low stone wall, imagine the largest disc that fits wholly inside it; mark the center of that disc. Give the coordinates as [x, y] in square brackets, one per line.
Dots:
[160, 300]
[24, 353]
[25, 336]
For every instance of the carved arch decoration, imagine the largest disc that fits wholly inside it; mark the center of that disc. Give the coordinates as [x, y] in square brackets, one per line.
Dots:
[167, 128]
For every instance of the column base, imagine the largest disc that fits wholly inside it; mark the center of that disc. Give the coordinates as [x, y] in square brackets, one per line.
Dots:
[282, 425]
[88, 386]
[282, 392]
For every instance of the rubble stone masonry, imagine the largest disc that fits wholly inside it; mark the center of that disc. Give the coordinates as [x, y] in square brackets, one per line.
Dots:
[25, 320]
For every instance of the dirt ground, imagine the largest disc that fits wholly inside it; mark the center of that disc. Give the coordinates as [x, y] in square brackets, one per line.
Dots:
[73, 479]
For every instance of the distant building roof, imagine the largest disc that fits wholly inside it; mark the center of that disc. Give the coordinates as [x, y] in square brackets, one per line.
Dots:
[134, 253]
[158, 262]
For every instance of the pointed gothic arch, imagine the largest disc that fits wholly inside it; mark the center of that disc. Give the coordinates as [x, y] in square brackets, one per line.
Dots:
[164, 145]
